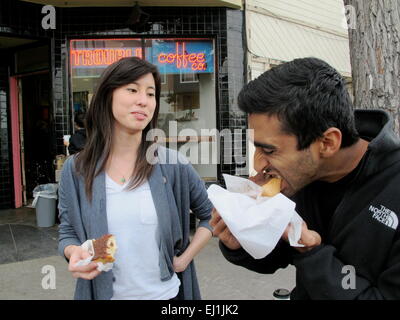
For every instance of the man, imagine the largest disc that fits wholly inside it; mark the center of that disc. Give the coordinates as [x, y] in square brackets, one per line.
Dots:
[341, 167]
[78, 139]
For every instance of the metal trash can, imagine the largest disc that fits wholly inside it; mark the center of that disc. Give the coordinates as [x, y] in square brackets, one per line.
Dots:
[45, 197]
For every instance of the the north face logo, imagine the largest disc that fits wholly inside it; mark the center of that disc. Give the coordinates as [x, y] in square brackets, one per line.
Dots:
[385, 216]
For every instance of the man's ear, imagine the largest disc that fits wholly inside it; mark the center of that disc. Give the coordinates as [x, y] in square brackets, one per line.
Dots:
[330, 142]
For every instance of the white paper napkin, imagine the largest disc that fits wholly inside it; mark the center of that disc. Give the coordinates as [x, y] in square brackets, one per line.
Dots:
[88, 245]
[256, 222]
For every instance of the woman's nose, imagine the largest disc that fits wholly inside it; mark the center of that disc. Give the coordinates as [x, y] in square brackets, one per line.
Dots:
[141, 98]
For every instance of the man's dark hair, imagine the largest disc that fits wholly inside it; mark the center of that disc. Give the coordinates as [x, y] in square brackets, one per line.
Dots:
[307, 95]
[80, 120]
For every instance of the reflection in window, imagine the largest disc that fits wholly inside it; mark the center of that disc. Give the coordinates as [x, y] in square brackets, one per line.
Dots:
[89, 58]
[187, 95]
[188, 77]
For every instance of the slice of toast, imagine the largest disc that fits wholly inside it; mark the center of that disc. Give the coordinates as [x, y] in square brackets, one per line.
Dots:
[272, 187]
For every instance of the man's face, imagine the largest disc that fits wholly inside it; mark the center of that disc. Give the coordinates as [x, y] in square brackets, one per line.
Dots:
[277, 153]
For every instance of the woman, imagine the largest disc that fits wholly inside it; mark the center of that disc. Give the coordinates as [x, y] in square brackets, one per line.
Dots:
[123, 184]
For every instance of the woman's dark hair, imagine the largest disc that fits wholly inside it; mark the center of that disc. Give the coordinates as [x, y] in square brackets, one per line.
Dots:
[100, 122]
[307, 95]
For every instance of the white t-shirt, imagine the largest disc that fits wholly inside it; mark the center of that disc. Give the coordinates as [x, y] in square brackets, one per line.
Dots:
[132, 218]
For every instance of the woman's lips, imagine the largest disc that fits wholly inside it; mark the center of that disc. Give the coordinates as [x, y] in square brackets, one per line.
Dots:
[139, 115]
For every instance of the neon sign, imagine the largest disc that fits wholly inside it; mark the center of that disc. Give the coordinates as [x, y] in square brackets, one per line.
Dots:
[101, 57]
[169, 55]
[183, 60]
[182, 56]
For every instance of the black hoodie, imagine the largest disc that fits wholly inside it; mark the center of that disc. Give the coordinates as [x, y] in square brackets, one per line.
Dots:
[77, 141]
[359, 257]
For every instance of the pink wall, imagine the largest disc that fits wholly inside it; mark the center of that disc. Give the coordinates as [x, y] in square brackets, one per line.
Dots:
[16, 146]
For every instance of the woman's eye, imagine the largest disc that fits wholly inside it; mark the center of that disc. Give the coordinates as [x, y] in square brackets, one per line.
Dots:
[131, 89]
[151, 94]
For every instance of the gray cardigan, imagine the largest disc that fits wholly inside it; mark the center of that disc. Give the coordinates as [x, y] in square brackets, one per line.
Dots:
[175, 187]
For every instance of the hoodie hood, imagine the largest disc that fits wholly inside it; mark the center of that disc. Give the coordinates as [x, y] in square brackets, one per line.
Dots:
[376, 126]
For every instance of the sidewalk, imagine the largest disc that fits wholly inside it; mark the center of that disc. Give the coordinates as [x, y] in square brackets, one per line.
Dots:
[21, 239]
[33, 250]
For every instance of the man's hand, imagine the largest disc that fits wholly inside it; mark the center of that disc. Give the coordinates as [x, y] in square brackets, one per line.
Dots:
[221, 231]
[309, 238]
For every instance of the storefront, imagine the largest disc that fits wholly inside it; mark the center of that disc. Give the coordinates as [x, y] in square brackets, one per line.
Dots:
[199, 57]
[188, 96]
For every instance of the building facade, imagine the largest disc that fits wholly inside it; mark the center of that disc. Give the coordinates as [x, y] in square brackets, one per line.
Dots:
[278, 31]
[50, 67]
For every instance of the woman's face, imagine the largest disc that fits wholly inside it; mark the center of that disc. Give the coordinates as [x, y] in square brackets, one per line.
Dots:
[133, 104]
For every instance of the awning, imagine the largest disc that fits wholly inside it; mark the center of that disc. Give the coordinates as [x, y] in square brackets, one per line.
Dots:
[283, 40]
[236, 4]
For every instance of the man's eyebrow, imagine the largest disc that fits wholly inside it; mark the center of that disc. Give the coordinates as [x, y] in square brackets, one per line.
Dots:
[264, 145]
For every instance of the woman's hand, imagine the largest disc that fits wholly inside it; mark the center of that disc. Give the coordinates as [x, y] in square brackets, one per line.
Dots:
[180, 263]
[200, 239]
[76, 253]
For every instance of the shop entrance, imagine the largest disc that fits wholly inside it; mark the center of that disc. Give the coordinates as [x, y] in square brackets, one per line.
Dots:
[34, 134]
[37, 133]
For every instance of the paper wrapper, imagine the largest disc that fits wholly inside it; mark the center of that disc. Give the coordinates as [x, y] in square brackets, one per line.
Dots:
[88, 245]
[256, 222]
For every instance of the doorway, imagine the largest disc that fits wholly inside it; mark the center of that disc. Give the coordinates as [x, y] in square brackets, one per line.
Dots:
[37, 131]
[35, 134]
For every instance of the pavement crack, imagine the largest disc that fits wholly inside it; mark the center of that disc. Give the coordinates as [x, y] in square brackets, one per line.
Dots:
[15, 244]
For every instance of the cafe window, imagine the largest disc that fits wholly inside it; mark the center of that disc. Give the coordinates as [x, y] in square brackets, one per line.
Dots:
[187, 100]
[189, 77]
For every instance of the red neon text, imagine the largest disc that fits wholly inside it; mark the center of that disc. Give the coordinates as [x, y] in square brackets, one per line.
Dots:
[181, 60]
[101, 57]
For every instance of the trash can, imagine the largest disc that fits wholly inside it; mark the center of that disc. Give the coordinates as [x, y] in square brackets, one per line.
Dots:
[45, 197]
[281, 294]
